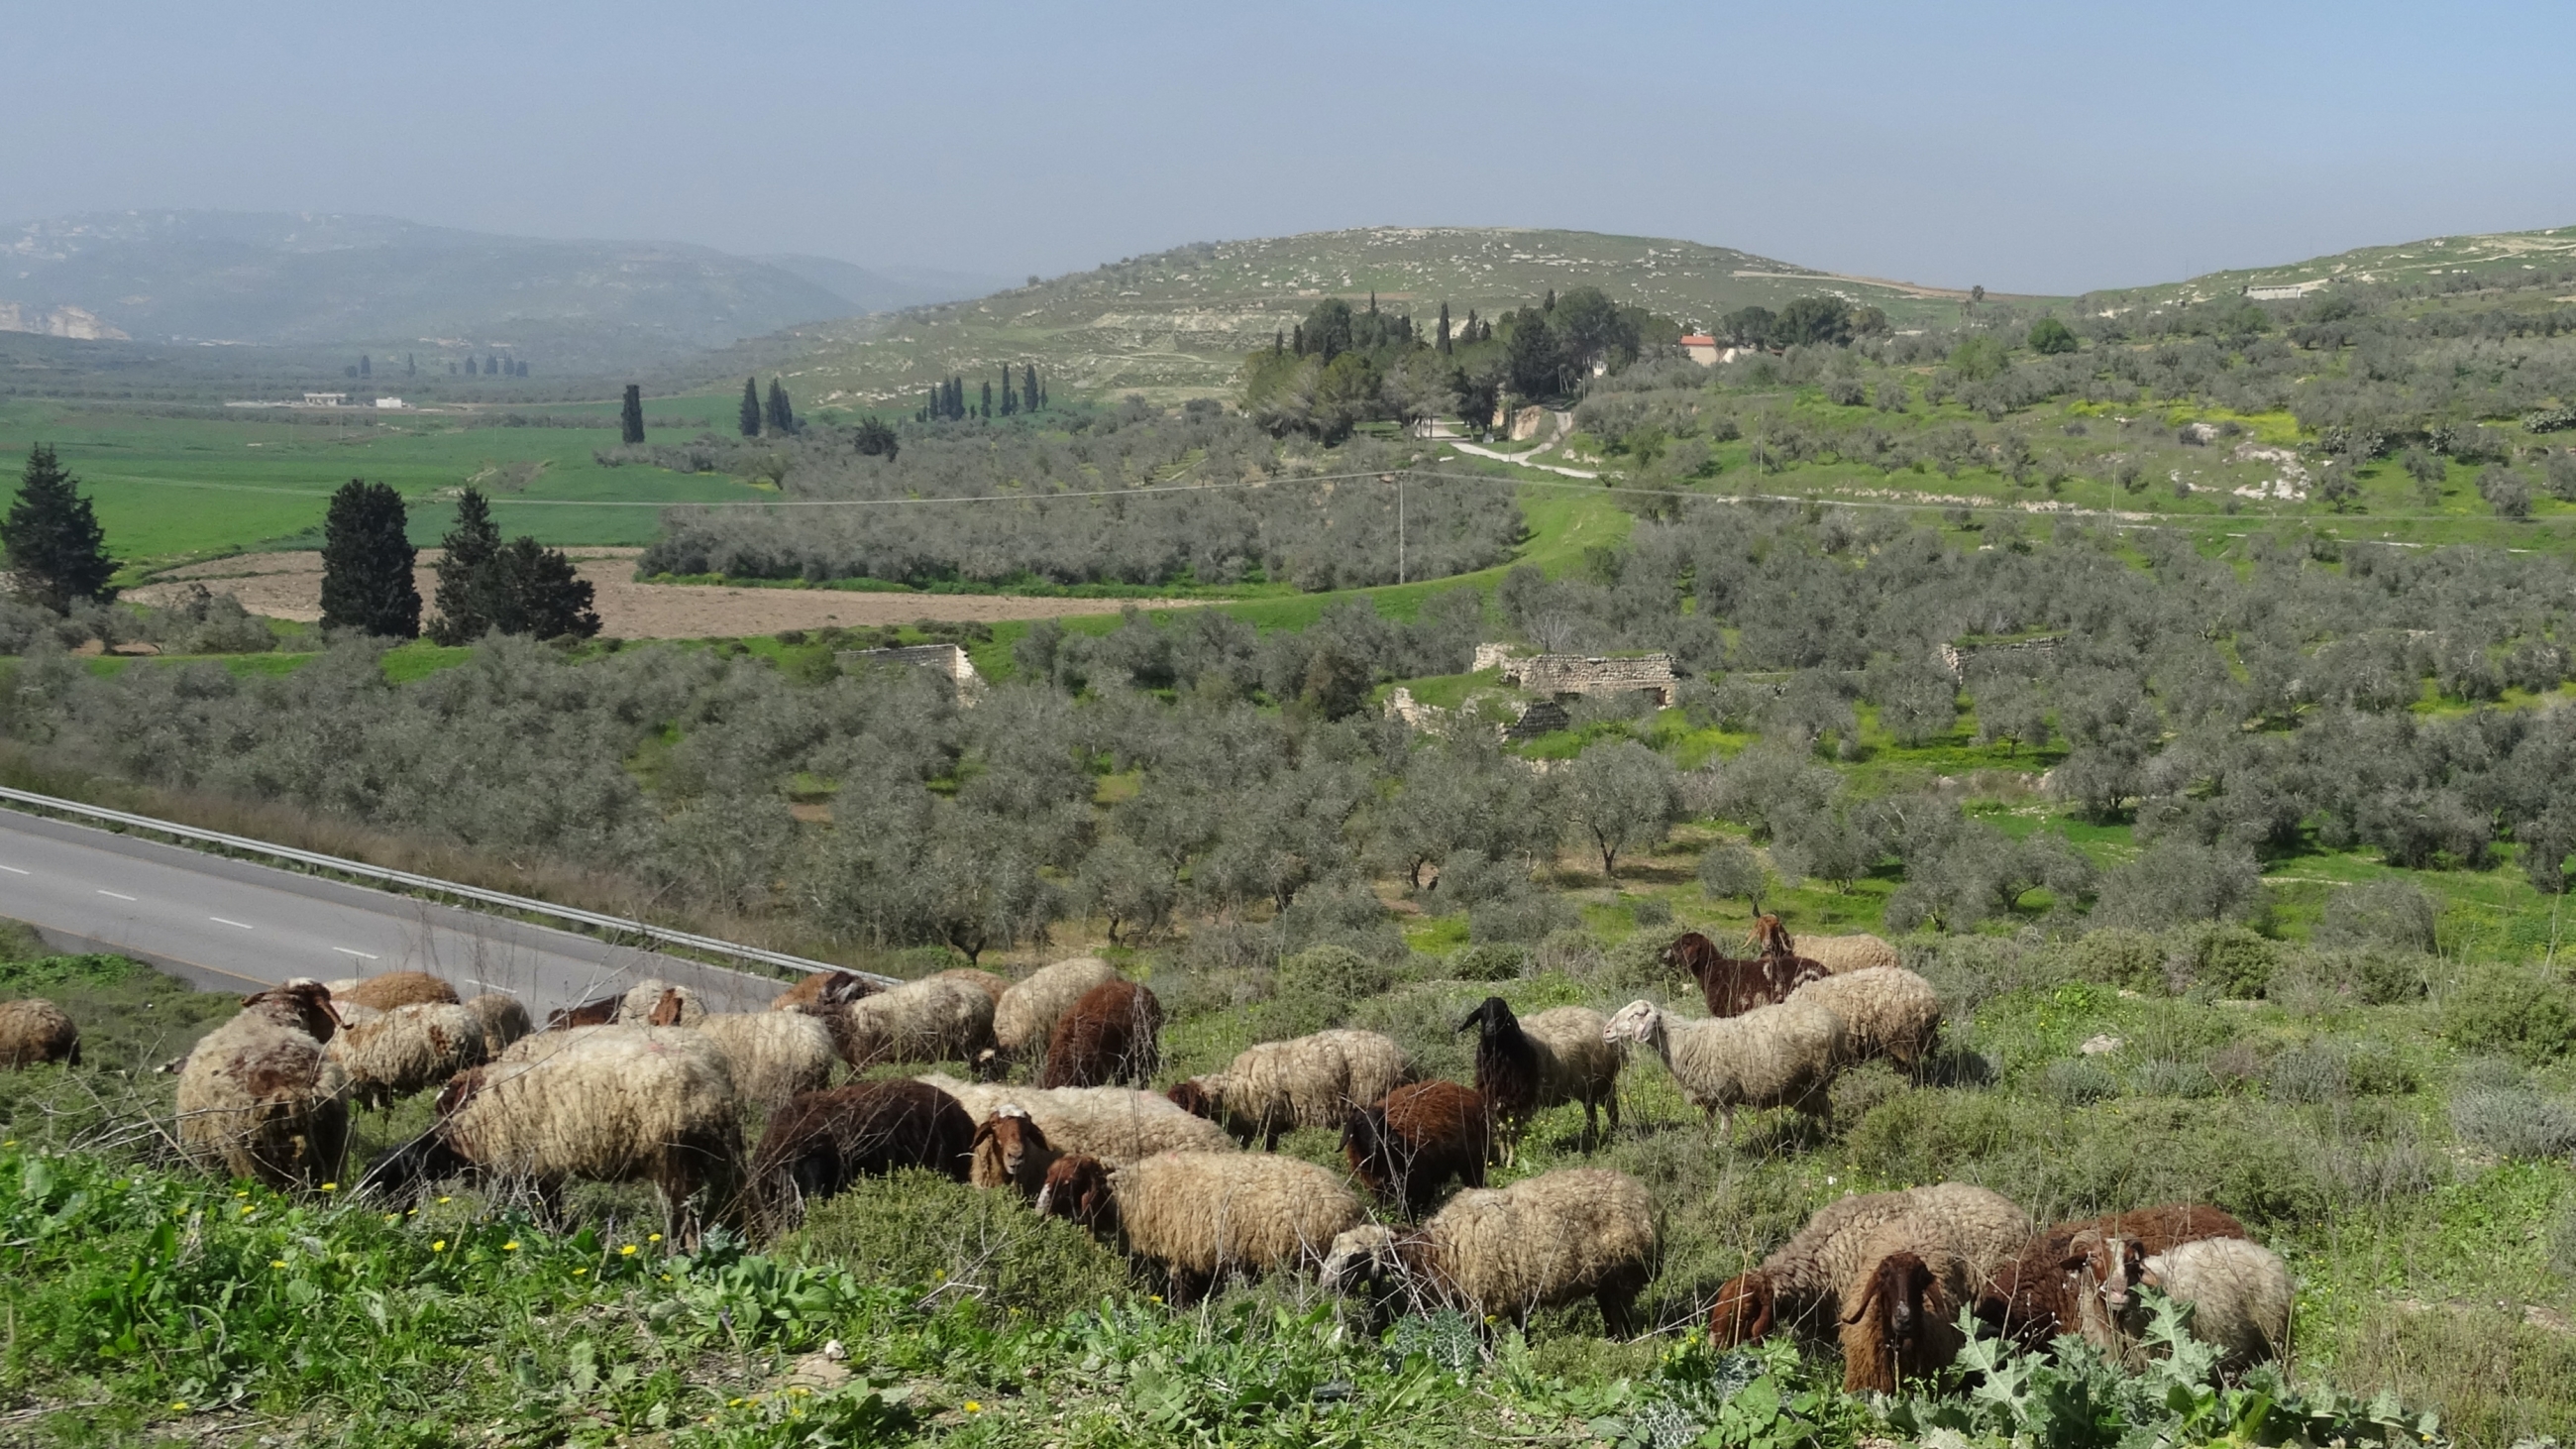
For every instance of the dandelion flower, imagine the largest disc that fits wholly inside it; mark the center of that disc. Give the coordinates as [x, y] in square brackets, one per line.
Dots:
[577, 1272]
[627, 1252]
[277, 1262]
[447, 1199]
[973, 1407]
[652, 1237]
[439, 1247]
[179, 1408]
[511, 1246]
[330, 1187]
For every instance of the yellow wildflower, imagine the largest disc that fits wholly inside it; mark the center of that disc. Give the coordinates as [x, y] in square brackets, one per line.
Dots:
[277, 1262]
[627, 1252]
[439, 1247]
[973, 1407]
[511, 1246]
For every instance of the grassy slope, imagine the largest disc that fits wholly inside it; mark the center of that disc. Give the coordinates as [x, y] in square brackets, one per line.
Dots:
[2489, 253]
[1177, 323]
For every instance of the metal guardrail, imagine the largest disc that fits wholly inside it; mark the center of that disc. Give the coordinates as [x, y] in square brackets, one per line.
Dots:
[660, 935]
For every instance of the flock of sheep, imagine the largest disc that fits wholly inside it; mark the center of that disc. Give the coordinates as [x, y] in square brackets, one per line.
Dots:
[650, 1086]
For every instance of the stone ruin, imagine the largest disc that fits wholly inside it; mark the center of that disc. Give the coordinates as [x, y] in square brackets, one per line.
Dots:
[947, 659]
[1565, 676]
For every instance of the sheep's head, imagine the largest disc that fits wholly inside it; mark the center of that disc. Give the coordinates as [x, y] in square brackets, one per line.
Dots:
[1077, 1187]
[301, 1003]
[1492, 1016]
[2106, 1264]
[1690, 954]
[1361, 1258]
[1006, 1146]
[1743, 1311]
[1638, 1021]
[1194, 1098]
[666, 1011]
[1364, 1142]
[1897, 1288]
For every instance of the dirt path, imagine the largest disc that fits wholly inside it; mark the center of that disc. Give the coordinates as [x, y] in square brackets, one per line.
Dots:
[289, 586]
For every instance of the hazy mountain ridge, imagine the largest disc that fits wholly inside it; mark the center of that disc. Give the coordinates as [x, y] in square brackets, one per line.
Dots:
[290, 280]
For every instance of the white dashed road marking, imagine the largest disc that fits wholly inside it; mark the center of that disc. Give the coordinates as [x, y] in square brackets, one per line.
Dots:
[120, 895]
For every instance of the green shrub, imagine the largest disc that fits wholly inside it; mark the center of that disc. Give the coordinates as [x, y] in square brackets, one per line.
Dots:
[1486, 962]
[2315, 1073]
[920, 1230]
[1635, 964]
[2522, 1012]
[1650, 912]
[2123, 958]
[2397, 914]
[1316, 989]
[2229, 960]
[2515, 1122]
[1520, 918]
[2079, 1080]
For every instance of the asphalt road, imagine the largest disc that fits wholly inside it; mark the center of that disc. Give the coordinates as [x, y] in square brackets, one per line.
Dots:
[228, 924]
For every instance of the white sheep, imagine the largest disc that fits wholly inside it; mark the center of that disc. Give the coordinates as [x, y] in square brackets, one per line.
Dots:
[1842, 955]
[1557, 1056]
[1887, 1011]
[1114, 1124]
[1771, 1056]
[1307, 1081]
[398, 1052]
[504, 1018]
[1541, 1242]
[2239, 1293]
[774, 1054]
[1200, 1215]
[33, 1031]
[259, 1097]
[947, 1017]
[1795, 1286]
[1028, 1009]
[655, 1002]
[604, 1104]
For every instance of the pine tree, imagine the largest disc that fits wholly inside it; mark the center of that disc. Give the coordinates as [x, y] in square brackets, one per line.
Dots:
[750, 408]
[465, 603]
[535, 590]
[630, 417]
[366, 564]
[54, 545]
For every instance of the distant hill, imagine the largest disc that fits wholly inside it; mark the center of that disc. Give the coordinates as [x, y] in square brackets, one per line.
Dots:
[885, 289]
[2435, 260]
[1177, 323]
[382, 284]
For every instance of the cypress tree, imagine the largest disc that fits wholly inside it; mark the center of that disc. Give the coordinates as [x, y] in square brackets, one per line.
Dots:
[1010, 394]
[750, 408]
[409, 370]
[54, 545]
[1297, 342]
[535, 590]
[988, 397]
[366, 366]
[1278, 342]
[366, 563]
[1444, 330]
[1029, 375]
[781, 415]
[630, 417]
[465, 583]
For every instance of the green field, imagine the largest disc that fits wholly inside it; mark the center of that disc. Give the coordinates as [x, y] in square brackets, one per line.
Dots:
[170, 489]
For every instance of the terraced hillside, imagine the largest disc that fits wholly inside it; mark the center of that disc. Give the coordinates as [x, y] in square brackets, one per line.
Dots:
[1176, 324]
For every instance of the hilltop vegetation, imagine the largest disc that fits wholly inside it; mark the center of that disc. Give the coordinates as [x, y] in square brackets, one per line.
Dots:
[1176, 324]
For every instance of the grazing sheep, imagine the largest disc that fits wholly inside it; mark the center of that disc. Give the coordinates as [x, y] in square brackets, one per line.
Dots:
[1798, 1284]
[938, 1018]
[1557, 1056]
[34, 1031]
[612, 1104]
[1024, 1019]
[504, 1019]
[820, 1142]
[1842, 955]
[1200, 1215]
[402, 1051]
[1109, 1036]
[1416, 1138]
[655, 1002]
[1541, 1242]
[824, 992]
[2239, 1294]
[1887, 1011]
[2040, 1293]
[774, 1055]
[1772, 1056]
[1901, 1309]
[1307, 1081]
[1112, 1123]
[259, 1097]
[397, 988]
[985, 981]
[1732, 987]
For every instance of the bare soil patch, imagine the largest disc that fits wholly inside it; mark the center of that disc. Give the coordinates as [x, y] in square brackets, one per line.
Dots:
[289, 586]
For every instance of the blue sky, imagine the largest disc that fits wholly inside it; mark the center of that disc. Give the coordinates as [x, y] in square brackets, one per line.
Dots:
[2022, 147]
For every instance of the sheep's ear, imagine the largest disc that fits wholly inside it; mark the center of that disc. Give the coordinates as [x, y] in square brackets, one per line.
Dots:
[1866, 1299]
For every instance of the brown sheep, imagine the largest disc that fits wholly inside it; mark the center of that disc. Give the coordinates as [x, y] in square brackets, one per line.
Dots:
[1410, 1143]
[2039, 1295]
[1904, 1324]
[820, 1142]
[1108, 1038]
[1805, 1277]
[1010, 1150]
[1732, 987]
[824, 992]
[397, 988]
[601, 1011]
[504, 1019]
[35, 1031]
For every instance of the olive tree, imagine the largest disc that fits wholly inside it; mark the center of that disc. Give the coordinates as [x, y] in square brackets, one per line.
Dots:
[1618, 797]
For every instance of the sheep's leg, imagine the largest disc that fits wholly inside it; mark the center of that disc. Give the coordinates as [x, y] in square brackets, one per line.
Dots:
[1618, 1300]
[1591, 1125]
[1188, 1286]
[1610, 1105]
